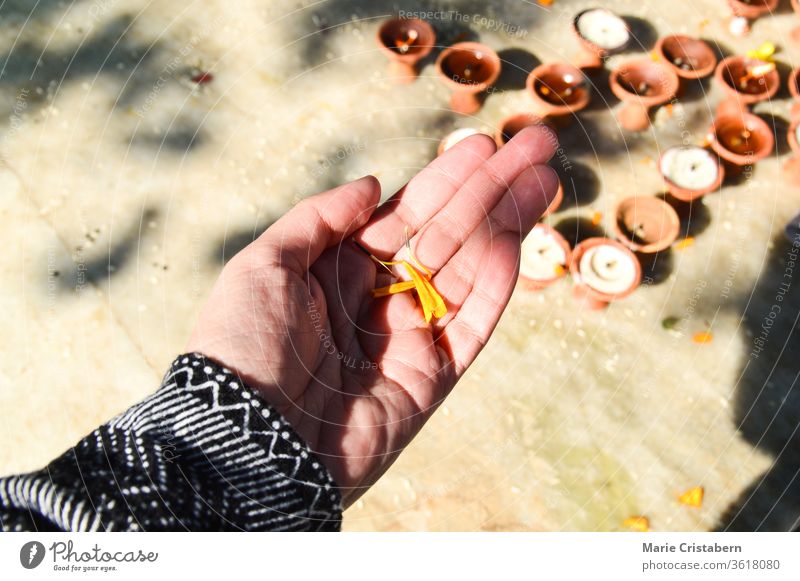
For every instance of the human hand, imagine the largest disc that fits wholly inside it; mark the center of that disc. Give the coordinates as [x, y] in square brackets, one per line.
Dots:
[358, 376]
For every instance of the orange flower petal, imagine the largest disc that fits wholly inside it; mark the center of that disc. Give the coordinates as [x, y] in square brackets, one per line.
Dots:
[685, 243]
[597, 217]
[639, 524]
[432, 302]
[703, 337]
[398, 287]
[692, 497]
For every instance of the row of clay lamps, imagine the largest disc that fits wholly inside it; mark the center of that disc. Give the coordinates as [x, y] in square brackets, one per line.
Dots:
[738, 136]
[468, 68]
[603, 269]
[736, 139]
[471, 68]
[644, 84]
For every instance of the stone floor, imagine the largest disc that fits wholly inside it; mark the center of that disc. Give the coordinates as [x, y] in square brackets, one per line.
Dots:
[125, 185]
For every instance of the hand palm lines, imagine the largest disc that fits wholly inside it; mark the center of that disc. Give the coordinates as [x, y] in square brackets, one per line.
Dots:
[356, 376]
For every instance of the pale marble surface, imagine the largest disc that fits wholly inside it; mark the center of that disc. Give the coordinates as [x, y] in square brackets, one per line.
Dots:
[120, 171]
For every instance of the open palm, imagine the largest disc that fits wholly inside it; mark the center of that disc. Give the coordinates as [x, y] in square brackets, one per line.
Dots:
[358, 376]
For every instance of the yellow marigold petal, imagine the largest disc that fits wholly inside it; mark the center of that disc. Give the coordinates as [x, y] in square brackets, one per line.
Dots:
[425, 298]
[597, 217]
[763, 52]
[692, 497]
[398, 287]
[685, 243]
[439, 308]
[703, 337]
[637, 523]
[433, 304]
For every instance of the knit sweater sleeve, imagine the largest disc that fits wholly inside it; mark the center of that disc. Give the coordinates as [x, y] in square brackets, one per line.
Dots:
[204, 452]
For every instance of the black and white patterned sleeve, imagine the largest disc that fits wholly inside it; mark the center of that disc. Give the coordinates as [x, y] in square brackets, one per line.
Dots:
[204, 452]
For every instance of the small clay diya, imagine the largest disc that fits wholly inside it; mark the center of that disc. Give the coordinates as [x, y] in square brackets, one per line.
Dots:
[792, 165]
[454, 137]
[745, 11]
[558, 90]
[406, 41]
[741, 138]
[646, 224]
[469, 68]
[513, 124]
[641, 85]
[604, 271]
[691, 172]
[601, 33]
[691, 58]
[747, 81]
[544, 259]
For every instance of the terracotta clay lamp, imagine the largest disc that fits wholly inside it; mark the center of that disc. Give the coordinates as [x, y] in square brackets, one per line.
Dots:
[691, 172]
[454, 137]
[792, 165]
[740, 139]
[641, 85]
[545, 257]
[558, 90]
[747, 81]
[600, 33]
[646, 224]
[745, 11]
[690, 58]
[604, 271]
[469, 69]
[406, 41]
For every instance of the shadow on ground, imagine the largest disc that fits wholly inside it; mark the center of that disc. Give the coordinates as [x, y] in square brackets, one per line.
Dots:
[767, 396]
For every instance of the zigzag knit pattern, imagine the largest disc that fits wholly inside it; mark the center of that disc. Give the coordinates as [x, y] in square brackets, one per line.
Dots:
[204, 452]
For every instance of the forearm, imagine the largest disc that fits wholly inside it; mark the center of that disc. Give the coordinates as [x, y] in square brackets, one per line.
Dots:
[204, 452]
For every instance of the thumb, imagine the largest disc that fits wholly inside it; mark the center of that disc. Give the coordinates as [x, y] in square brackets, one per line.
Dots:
[322, 221]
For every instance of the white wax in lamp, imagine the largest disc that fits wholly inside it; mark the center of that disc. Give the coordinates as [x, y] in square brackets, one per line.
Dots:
[607, 269]
[690, 167]
[543, 258]
[603, 28]
[456, 136]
